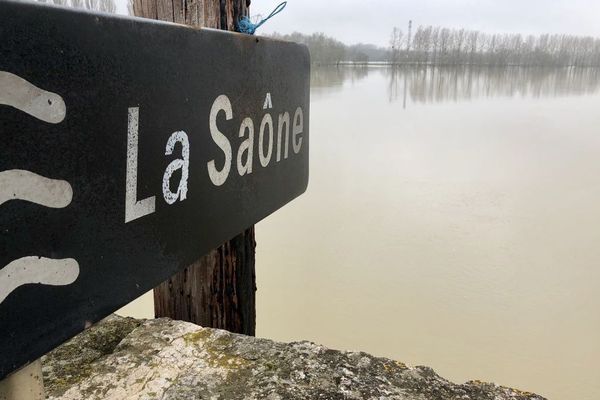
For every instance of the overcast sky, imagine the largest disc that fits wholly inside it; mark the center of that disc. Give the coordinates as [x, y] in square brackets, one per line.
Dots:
[371, 21]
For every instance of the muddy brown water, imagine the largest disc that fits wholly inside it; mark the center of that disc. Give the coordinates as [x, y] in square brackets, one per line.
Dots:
[452, 220]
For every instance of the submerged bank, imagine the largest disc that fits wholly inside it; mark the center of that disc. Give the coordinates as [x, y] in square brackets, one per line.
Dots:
[164, 359]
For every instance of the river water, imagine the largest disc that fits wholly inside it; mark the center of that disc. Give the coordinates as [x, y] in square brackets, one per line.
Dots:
[452, 220]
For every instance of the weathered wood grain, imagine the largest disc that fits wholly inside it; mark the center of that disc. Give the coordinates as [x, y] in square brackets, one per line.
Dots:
[219, 289]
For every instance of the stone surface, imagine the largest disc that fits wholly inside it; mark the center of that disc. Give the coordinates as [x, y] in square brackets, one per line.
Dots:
[123, 358]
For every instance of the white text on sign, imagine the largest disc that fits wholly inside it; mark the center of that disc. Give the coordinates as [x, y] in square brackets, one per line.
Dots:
[288, 129]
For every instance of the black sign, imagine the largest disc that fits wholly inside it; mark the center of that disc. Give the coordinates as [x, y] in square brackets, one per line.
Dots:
[128, 149]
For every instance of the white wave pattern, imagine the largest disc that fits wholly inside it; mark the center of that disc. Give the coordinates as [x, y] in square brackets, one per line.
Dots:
[33, 269]
[25, 96]
[18, 184]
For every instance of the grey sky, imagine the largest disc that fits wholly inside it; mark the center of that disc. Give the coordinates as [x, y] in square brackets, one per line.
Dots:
[371, 21]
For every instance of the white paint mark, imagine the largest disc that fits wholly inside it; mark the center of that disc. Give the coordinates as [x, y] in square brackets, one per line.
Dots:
[18, 184]
[268, 103]
[24, 96]
[134, 209]
[221, 103]
[182, 163]
[265, 158]
[40, 270]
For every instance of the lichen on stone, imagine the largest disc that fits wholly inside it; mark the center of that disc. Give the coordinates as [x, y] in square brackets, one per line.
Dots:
[163, 359]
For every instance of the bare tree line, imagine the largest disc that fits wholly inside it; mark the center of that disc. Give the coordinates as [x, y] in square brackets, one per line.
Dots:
[445, 46]
[327, 50]
[323, 49]
[107, 6]
[439, 45]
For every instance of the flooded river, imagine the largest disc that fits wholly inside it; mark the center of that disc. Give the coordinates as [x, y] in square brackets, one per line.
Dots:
[452, 220]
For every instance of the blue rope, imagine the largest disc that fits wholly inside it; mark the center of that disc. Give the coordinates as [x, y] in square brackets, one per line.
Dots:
[245, 25]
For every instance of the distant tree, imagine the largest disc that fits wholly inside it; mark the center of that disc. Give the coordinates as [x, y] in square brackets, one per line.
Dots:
[396, 44]
[327, 50]
[361, 57]
[440, 45]
[108, 6]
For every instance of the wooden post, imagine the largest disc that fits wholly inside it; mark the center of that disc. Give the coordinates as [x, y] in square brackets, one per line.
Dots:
[218, 290]
[24, 384]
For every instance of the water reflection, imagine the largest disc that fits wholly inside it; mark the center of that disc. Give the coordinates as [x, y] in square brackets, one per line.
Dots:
[415, 85]
[331, 76]
[460, 233]
[462, 236]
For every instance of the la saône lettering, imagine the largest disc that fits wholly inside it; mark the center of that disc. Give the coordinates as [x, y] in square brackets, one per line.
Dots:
[277, 140]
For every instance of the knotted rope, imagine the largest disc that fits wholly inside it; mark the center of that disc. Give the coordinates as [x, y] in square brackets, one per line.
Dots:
[245, 25]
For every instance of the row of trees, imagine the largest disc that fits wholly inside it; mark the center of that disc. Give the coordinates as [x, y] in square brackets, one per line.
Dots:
[439, 45]
[445, 46]
[323, 49]
[327, 50]
[107, 6]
